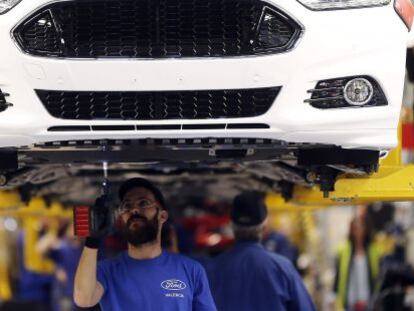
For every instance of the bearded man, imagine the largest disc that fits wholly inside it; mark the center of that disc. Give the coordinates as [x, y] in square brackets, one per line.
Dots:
[144, 277]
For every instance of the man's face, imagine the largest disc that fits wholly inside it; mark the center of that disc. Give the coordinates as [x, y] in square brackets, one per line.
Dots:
[139, 215]
[358, 230]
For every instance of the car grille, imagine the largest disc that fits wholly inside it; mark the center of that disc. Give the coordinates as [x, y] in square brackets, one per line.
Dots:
[3, 101]
[157, 29]
[2, 98]
[165, 105]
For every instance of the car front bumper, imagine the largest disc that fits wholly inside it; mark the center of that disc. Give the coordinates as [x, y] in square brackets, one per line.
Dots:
[334, 44]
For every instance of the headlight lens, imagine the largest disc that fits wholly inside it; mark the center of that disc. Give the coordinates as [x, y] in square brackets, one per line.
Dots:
[320, 5]
[6, 5]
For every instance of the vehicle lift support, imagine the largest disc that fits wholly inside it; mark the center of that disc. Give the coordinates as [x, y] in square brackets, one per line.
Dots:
[393, 181]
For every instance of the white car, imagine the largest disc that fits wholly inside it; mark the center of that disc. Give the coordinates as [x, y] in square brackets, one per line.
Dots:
[302, 72]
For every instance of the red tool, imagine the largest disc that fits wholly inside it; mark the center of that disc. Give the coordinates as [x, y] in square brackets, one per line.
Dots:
[81, 216]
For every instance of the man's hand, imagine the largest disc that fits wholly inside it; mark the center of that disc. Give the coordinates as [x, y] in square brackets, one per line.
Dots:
[88, 291]
[101, 217]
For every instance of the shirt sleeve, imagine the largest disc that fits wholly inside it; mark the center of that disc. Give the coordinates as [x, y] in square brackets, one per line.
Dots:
[101, 275]
[202, 299]
[299, 296]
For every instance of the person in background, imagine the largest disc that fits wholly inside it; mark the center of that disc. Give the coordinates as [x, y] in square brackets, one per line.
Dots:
[247, 277]
[357, 267]
[277, 242]
[65, 250]
[34, 288]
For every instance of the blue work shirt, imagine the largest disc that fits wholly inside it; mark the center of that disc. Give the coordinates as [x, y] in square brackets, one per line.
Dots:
[278, 243]
[248, 277]
[168, 282]
[33, 286]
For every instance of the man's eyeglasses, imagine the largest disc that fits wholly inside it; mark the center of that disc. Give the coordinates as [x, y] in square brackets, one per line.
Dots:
[143, 204]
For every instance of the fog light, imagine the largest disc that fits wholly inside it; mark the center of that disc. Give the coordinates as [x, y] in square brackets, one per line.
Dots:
[358, 92]
[347, 92]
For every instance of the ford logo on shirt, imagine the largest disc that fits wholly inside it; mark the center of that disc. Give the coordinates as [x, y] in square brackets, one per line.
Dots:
[173, 285]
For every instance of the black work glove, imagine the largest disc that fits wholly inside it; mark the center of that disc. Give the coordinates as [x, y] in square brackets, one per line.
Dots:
[101, 221]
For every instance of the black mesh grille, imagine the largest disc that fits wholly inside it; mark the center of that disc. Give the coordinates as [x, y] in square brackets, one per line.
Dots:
[3, 102]
[158, 105]
[329, 94]
[157, 29]
[272, 31]
[2, 98]
[41, 35]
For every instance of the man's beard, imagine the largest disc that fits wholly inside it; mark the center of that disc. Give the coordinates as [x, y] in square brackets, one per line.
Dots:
[145, 232]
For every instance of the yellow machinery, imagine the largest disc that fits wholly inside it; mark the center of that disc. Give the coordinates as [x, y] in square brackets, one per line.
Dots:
[393, 182]
[33, 216]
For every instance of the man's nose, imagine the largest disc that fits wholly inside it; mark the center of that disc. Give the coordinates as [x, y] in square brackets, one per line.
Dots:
[135, 210]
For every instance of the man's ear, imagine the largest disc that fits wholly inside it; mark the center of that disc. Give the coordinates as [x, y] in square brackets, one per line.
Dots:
[163, 216]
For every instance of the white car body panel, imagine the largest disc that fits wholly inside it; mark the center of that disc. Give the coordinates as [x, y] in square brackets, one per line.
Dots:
[334, 44]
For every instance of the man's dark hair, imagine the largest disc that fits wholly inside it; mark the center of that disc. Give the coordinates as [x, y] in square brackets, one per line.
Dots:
[250, 233]
[141, 183]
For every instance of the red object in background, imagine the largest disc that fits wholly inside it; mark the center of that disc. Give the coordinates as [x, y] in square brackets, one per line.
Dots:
[360, 306]
[81, 221]
[207, 230]
[115, 244]
[208, 222]
[408, 136]
[211, 239]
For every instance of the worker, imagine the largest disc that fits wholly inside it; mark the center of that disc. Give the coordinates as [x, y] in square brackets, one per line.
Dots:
[144, 277]
[277, 242]
[357, 269]
[35, 287]
[64, 249]
[248, 277]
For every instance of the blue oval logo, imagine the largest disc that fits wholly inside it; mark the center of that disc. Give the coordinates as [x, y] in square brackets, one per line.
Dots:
[173, 285]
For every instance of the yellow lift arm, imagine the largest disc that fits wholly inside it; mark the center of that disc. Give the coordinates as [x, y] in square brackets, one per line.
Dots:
[393, 182]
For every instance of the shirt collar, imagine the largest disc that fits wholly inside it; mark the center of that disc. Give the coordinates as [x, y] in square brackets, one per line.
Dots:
[146, 262]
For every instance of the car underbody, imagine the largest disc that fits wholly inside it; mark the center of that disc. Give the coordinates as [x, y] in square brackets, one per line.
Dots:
[64, 168]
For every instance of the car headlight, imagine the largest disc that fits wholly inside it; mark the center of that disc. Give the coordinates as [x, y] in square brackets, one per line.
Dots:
[320, 5]
[7, 5]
